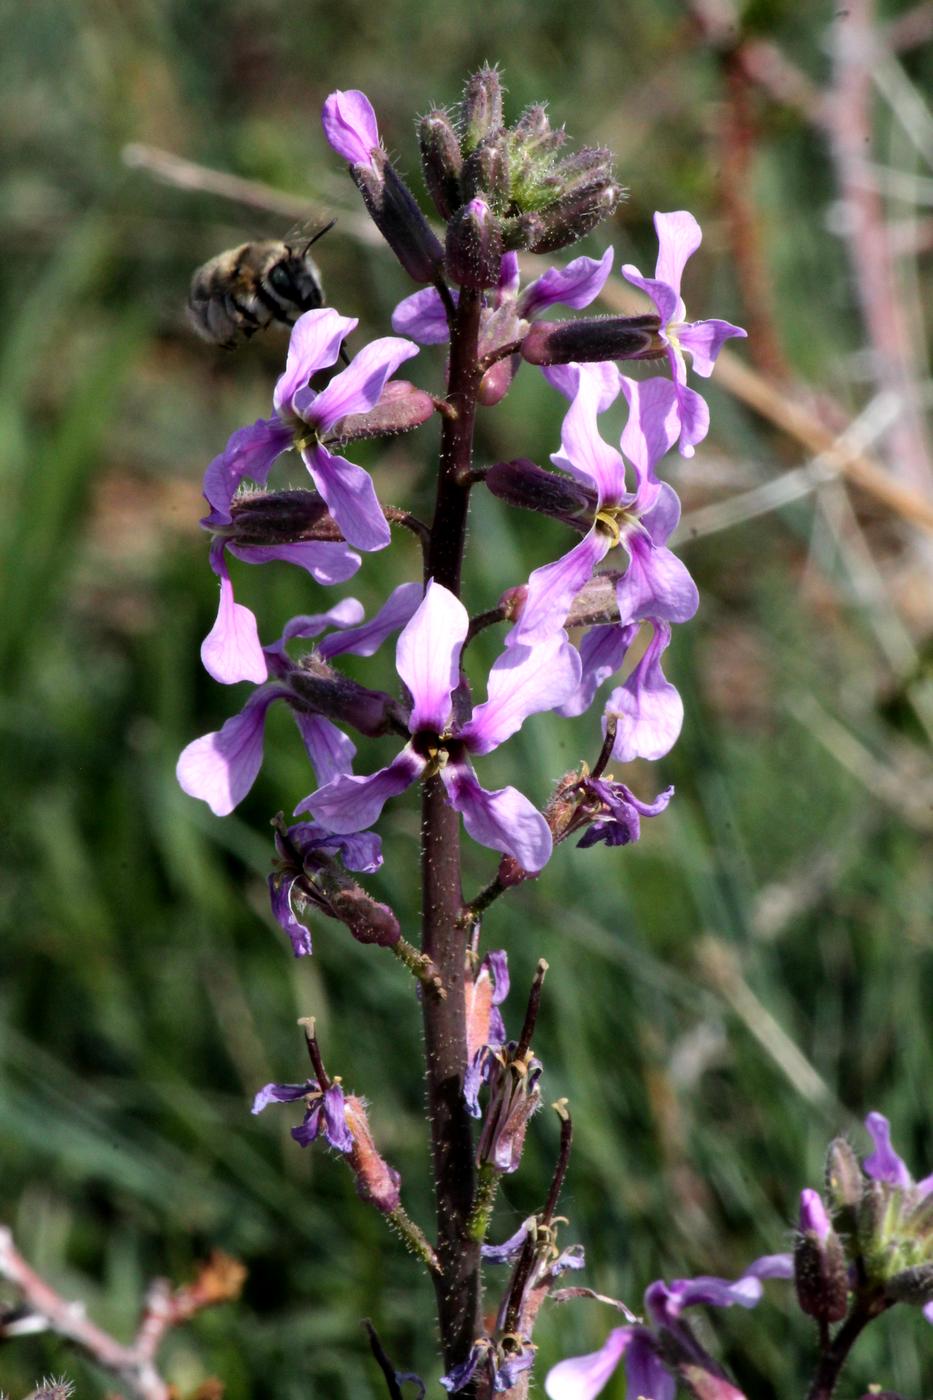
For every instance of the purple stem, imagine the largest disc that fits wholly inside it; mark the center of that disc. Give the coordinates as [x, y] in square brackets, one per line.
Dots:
[443, 938]
[836, 1354]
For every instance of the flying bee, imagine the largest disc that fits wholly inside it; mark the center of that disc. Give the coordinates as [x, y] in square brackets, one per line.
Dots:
[245, 289]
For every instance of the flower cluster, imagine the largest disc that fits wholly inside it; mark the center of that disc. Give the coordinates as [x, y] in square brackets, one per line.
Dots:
[600, 615]
[871, 1248]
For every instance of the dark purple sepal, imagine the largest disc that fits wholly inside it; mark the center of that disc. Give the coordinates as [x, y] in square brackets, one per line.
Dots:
[326, 692]
[280, 517]
[395, 212]
[441, 161]
[486, 171]
[563, 223]
[593, 339]
[913, 1285]
[474, 246]
[526, 486]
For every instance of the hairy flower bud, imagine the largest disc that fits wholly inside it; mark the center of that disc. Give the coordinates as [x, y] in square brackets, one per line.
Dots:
[844, 1181]
[367, 919]
[395, 212]
[526, 486]
[914, 1285]
[564, 222]
[401, 407]
[376, 1181]
[481, 111]
[441, 161]
[474, 246]
[592, 339]
[327, 692]
[279, 517]
[820, 1269]
[486, 171]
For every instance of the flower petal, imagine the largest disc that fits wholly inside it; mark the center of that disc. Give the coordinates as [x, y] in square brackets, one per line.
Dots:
[576, 285]
[504, 820]
[330, 750]
[280, 896]
[343, 614]
[679, 236]
[350, 496]
[884, 1164]
[249, 452]
[422, 317]
[566, 380]
[282, 1093]
[428, 657]
[656, 585]
[602, 652]
[315, 343]
[350, 125]
[232, 651]
[351, 804]
[220, 768]
[583, 452]
[694, 419]
[771, 1266]
[645, 1372]
[653, 425]
[552, 589]
[583, 1377]
[523, 681]
[648, 710]
[366, 639]
[337, 1132]
[327, 561]
[357, 388]
[666, 299]
[704, 340]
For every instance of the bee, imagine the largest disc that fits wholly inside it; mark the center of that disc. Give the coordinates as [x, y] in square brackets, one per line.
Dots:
[245, 289]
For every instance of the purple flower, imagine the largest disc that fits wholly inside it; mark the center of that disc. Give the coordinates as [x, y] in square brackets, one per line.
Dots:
[309, 421]
[656, 584]
[221, 767]
[584, 1377]
[509, 313]
[884, 1164]
[325, 1113]
[621, 824]
[678, 237]
[499, 1363]
[303, 849]
[350, 125]
[523, 681]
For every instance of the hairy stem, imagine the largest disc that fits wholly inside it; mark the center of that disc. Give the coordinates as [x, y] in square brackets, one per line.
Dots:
[443, 938]
[835, 1355]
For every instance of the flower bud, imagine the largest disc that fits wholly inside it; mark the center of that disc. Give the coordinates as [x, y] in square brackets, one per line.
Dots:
[914, 1285]
[279, 517]
[919, 1222]
[522, 484]
[564, 222]
[481, 111]
[844, 1181]
[820, 1269]
[474, 246]
[441, 162]
[394, 211]
[326, 692]
[486, 171]
[367, 919]
[401, 407]
[376, 1181]
[592, 339]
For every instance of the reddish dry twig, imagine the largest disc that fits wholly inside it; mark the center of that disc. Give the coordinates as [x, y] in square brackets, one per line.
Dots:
[218, 1281]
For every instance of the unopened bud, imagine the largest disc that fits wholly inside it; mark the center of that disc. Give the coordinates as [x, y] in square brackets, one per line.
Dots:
[919, 1222]
[482, 106]
[376, 1181]
[400, 408]
[588, 171]
[474, 246]
[878, 1214]
[592, 339]
[564, 222]
[278, 517]
[820, 1271]
[486, 171]
[844, 1182]
[325, 691]
[526, 486]
[367, 919]
[534, 134]
[395, 212]
[441, 162]
[911, 1285]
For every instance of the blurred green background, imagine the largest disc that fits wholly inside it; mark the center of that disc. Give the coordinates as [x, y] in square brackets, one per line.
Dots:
[750, 979]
